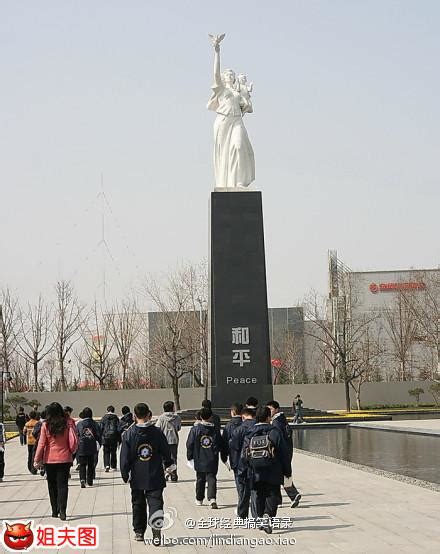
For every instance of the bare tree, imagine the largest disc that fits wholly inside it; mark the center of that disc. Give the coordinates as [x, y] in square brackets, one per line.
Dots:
[343, 345]
[68, 318]
[424, 307]
[369, 351]
[172, 347]
[401, 327]
[195, 280]
[8, 328]
[98, 346]
[289, 367]
[35, 341]
[124, 326]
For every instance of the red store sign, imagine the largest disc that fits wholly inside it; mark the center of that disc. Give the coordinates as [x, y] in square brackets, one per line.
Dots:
[392, 287]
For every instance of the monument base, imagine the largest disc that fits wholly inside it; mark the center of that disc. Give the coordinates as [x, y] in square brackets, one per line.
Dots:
[239, 336]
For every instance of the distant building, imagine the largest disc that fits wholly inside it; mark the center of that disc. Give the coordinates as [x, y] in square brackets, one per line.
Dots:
[404, 309]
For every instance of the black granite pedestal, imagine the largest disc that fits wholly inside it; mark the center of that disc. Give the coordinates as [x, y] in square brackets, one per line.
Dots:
[240, 352]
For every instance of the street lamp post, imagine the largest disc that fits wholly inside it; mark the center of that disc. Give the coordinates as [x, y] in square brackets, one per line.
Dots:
[4, 375]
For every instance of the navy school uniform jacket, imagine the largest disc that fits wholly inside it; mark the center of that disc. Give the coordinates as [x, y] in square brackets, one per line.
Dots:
[144, 453]
[280, 467]
[280, 422]
[236, 446]
[233, 424]
[89, 433]
[204, 444]
[215, 419]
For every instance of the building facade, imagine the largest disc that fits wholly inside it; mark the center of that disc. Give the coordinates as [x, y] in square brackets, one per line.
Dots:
[400, 311]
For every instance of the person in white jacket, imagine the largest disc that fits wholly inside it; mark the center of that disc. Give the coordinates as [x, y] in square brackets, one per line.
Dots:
[170, 424]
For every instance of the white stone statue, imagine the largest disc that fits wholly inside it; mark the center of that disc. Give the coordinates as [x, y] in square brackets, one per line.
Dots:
[234, 162]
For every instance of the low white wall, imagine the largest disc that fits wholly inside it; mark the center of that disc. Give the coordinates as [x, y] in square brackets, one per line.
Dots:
[320, 396]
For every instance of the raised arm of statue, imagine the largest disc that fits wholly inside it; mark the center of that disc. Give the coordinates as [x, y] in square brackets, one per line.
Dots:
[216, 40]
[217, 72]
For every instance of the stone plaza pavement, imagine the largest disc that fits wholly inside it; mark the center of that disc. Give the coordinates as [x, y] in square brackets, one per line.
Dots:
[343, 510]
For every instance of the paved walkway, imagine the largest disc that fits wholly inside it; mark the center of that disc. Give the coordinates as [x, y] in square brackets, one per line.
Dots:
[414, 426]
[343, 510]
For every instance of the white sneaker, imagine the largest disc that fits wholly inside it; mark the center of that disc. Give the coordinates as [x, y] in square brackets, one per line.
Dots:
[199, 502]
[213, 503]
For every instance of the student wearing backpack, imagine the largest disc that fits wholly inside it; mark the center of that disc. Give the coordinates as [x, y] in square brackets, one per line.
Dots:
[126, 419]
[34, 418]
[144, 454]
[215, 419]
[20, 421]
[203, 446]
[280, 422]
[110, 437]
[89, 434]
[267, 457]
[241, 469]
[232, 425]
[170, 424]
[229, 429]
[36, 434]
[252, 403]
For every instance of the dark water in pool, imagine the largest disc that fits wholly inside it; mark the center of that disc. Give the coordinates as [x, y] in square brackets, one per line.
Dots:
[413, 455]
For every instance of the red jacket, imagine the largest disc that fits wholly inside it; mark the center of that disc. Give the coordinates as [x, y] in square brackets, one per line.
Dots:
[57, 449]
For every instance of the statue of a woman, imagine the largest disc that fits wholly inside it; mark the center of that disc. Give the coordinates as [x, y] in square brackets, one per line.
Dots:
[234, 162]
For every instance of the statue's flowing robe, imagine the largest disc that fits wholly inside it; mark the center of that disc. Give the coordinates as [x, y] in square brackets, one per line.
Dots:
[234, 162]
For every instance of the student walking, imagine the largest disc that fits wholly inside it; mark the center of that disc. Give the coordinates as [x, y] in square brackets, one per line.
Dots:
[170, 424]
[56, 446]
[241, 469]
[36, 434]
[203, 447]
[252, 403]
[89, 434]
[298, 406]
[232, 425]
[279, 421]
[215, 419]
[2, 451]
[110, 437]
[144, 454]
[28, 430]
[37, 428]
[266, 454]
[126, 419]
[20, 421]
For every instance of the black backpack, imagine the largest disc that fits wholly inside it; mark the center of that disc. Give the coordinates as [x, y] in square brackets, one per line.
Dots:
[261, 451]
[289, 433]
[111, 429]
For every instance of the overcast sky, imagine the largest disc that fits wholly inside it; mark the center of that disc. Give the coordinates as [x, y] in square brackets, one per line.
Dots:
[346, 133]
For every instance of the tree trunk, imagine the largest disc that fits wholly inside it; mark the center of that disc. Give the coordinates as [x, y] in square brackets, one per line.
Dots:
[358, 398]
[347, 396]
[62, 378]
[35, 364]
[176, 394]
